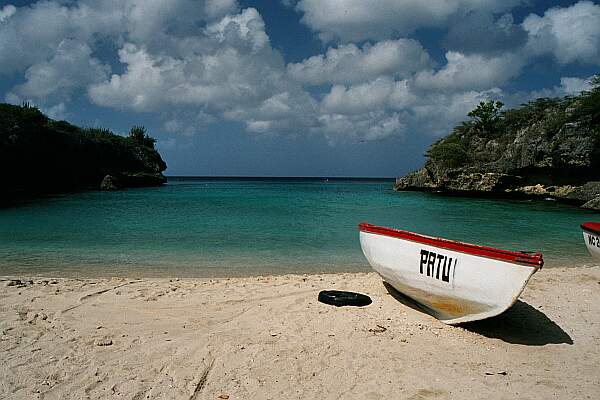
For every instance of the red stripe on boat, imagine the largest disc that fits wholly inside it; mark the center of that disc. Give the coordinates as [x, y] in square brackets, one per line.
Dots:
[593, 227]
[483, 251]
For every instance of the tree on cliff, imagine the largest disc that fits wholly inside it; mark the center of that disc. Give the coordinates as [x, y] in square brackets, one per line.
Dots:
[589, 111]
[41, 155]
[590, 103]
[138, 134]
[486, 115]
[452, 151]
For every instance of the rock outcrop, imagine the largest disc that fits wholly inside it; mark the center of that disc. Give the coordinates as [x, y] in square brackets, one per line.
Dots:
[39, 155]
[109, 183]
[593, 204]
[549, 148]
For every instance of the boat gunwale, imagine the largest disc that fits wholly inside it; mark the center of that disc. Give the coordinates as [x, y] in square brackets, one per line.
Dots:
[516, 257]
[591, 227]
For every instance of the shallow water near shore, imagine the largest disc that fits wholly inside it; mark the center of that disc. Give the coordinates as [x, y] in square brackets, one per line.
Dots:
[237, 227]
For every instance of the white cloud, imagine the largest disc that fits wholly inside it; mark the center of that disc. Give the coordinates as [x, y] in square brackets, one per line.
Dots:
[236, 75]
[426, 113]
[359, 98]
[247, 27]
[571, 34]
[373, 125]
[145, 84]
[7, 12]
[569, 86]
[466, 33]
[45, 24]
[41, 27]
[69, 68]
[188, 124]
[574, 86]
[53, 43]
[288, 111]
[218, 8]
[58, 111]
[193, 63]
[354, 20]
[354, 110]
[471, 72]
[350, 64]
[235, 67]
[181, 58]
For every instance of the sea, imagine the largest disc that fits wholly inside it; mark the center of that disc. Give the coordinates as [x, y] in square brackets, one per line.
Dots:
[228, 227]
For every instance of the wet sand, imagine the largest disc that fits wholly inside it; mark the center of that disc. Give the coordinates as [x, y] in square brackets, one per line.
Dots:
[269, 338]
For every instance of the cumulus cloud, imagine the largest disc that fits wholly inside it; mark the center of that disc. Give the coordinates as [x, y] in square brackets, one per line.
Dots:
[368, 96]
[355, 20]
[236, 75]
[142, 85]
[573, 86]
[218, 8]
[501, 34]
[373, 125]
[72, 66]
[293, 110]
[45, 24]
[471, 72]
[7, 12]
[53, 43]
[246, 27]
[570, 34]
[194, 63]
[383, 99]
[180, 58]
[57, 111]
[378, 94]
[569, 86]
[349, 63]
[187, 122]
[235, 66]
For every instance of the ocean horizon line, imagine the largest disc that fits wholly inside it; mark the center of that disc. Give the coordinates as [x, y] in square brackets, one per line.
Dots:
[243, 177]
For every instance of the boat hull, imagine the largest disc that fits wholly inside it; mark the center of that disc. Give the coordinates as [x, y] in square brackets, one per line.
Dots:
[453, 286]
[592, 242]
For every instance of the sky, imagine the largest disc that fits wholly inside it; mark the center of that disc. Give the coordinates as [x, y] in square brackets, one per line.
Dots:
[291, 87]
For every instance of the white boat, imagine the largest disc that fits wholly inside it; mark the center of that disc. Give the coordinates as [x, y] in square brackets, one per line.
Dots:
[456, 282]
[591, 237]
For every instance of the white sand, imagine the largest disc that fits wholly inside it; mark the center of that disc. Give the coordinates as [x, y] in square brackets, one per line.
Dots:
[269, 338]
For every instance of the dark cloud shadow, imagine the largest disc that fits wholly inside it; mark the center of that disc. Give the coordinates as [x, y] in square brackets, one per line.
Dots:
[520, 324]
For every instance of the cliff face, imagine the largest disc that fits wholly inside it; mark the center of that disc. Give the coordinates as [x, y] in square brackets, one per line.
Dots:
[39, 155]
[546, 148]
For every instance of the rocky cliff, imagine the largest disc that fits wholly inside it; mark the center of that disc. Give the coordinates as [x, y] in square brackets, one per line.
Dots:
[39, 155]
[548, 148]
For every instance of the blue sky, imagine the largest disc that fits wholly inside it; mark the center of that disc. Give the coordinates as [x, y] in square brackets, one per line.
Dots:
[291, 87]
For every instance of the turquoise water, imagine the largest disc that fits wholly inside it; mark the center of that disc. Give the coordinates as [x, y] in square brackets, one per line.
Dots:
[216, 227]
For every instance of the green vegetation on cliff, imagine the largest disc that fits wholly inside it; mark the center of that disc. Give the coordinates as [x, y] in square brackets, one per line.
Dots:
[40, 155]
[548, 147]
[472, 144]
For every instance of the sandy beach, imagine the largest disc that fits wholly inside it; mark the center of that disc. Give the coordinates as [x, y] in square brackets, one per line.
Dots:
[269, 338]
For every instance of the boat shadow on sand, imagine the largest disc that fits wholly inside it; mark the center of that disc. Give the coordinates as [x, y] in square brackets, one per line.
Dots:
[520, 324]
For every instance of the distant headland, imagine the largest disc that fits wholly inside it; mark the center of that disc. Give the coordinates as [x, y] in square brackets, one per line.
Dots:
[547, 148]
[39, 155]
